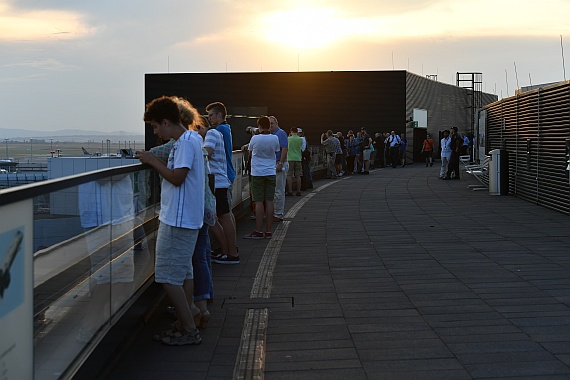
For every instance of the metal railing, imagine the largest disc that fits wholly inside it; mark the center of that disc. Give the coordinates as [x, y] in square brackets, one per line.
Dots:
[86, 253]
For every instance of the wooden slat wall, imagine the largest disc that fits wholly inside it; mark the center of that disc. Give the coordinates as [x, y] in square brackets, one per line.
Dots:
[541, 116]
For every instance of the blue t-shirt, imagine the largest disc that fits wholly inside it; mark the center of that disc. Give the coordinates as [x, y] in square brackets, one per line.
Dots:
[283, 141]
[226, 131]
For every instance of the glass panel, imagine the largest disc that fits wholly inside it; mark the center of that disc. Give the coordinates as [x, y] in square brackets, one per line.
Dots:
[94, 250]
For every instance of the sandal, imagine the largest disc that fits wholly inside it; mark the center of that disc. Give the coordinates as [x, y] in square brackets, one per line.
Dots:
[183, 338]
[166, 333]
[204, 319]
[197, 318]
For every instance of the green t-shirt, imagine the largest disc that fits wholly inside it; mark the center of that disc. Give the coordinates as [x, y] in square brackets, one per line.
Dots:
[294, 152]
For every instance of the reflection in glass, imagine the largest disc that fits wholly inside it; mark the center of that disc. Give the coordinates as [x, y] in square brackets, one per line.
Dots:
[92, 256]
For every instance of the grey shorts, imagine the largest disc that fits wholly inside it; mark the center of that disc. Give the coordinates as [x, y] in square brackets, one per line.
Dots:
[174, 250]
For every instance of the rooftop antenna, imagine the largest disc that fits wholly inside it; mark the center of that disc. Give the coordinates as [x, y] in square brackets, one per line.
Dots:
[516, 74]
[507, 82]
[562, 48]
[530, 79]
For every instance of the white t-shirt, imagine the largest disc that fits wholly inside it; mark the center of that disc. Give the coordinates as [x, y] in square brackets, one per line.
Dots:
[218, 165]
[445, 147]
[183, 206]
[263, 148]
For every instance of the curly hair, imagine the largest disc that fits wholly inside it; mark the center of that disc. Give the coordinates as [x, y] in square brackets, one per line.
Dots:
[162, 108]
[189, 116]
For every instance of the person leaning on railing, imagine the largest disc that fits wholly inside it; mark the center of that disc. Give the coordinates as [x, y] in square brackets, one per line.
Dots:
[182, 189]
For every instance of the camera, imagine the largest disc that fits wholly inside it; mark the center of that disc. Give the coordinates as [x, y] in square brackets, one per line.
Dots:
[252, 130]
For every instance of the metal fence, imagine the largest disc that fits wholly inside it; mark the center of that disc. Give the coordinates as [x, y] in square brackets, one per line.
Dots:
[534, 128]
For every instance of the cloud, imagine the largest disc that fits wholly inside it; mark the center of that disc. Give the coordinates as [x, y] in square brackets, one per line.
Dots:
[21, 79]
[39, 25]
[48, 64]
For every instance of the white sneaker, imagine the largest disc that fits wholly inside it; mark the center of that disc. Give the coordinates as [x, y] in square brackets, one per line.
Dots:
[340, 174]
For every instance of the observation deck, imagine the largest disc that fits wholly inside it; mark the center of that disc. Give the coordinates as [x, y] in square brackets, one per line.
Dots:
[395, 275]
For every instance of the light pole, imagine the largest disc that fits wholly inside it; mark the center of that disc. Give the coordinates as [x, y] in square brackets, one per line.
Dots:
[6, 141]
[31, 147]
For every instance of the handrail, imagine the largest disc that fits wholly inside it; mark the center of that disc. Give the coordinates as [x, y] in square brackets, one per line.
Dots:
[19, 193]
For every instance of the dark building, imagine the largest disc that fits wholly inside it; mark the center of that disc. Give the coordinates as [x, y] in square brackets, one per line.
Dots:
[318, 101]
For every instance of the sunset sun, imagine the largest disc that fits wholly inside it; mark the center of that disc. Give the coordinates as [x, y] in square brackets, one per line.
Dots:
[303, 28]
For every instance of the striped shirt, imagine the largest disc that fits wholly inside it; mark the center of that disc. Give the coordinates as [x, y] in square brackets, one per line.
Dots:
[215, 141]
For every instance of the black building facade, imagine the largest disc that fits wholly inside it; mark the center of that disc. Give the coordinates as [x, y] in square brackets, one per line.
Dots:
[317, 101]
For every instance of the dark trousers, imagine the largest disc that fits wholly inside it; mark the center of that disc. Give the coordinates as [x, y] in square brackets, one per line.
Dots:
[395, 155]
[307, 177]
[453, 165]
[350, 164]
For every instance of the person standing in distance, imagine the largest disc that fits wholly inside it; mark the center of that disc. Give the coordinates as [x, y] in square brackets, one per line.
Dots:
[262, 149]
[281, 168]
[445, 145]
[294, 158]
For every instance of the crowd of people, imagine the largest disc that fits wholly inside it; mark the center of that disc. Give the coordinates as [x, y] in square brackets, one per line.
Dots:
[357, 154]
[194, 161]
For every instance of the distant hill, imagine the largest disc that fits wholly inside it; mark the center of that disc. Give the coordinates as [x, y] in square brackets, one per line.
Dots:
[69, 134]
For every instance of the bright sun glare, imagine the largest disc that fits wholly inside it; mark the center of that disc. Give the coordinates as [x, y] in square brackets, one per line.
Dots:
[303, 28]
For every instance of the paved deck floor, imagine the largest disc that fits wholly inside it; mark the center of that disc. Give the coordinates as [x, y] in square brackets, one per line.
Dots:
[395, 275]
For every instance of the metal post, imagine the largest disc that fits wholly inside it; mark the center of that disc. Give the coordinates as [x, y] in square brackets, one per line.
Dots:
[31, 148]
[6, 140]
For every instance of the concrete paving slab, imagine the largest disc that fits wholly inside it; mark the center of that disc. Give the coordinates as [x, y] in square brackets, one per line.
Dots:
[395, 275]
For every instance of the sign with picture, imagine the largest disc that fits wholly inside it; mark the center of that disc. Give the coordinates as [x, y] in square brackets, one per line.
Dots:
[16, 291]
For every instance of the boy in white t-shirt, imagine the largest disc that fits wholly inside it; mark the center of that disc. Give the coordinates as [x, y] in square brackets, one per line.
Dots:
[181, 214]
[262, 149]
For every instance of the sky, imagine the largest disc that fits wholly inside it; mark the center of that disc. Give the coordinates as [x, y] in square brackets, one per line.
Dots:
[68, 64]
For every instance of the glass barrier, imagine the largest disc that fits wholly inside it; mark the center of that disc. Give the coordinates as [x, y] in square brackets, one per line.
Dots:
[91, 254]
[93, 250]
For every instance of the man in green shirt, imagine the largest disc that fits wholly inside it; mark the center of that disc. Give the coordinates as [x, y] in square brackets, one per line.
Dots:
[295, 162]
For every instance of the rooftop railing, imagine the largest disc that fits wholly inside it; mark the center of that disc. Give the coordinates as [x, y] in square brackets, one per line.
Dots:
[75, 253]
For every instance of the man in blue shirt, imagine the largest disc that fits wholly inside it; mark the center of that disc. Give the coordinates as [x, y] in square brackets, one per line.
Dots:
[281, 169]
